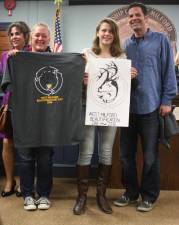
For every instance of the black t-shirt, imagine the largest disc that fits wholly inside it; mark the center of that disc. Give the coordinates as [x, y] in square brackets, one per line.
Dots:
[46, 98]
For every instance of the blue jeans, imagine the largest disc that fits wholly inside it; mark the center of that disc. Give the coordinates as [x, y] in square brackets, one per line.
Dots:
[147, 127]
[42, 157]
[106, 139]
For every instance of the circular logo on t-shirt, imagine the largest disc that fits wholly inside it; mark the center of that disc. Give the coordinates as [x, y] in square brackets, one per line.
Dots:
[48, 80]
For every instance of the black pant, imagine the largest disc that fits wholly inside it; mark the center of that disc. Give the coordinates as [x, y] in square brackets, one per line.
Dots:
[147, 127]
[43, 158]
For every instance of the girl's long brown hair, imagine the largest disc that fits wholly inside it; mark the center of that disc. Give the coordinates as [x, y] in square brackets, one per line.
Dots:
[115, 50]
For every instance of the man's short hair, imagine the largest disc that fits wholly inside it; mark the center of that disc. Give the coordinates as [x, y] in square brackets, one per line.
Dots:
[138, 4]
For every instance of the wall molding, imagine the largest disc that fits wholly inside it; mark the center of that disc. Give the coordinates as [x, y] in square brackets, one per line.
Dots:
[122, 2]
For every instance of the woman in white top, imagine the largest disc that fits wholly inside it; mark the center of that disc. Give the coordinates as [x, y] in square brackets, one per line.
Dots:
[105, 45]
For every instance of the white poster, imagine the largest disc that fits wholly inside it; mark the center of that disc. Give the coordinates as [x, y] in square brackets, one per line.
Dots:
[108, 92]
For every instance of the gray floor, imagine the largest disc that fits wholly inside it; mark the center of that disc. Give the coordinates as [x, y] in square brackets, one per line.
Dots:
[166, 211]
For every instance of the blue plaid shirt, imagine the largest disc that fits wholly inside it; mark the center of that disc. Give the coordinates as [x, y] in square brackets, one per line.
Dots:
[152, 56]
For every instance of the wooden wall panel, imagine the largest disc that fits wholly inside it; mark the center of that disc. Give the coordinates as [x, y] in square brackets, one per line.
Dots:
[4, 43]
[169, 164]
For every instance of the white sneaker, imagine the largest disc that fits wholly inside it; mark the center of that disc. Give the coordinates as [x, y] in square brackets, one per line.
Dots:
[29, 203]
[124, 200]
[43, 203]
[145, 206]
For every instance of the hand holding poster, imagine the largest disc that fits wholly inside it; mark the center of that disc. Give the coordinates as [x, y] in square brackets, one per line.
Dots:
[108, 92]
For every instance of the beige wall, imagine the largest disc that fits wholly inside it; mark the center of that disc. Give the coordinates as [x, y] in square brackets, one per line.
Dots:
[77, 22]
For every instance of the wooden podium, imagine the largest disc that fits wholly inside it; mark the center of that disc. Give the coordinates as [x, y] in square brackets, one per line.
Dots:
[169, 163]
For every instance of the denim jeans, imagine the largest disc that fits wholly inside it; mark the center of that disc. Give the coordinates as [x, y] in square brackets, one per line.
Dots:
[147, 127]
[29, 157]
[105, 141]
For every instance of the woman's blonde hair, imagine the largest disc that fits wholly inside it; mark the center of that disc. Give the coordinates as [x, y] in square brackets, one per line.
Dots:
[115, 47]
[44, 25]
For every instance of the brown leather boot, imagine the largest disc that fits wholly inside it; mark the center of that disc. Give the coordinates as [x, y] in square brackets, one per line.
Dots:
[103, 178]
[82, 182]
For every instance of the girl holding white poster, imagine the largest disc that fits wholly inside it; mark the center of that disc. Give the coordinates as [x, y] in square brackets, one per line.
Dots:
[106, 45]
